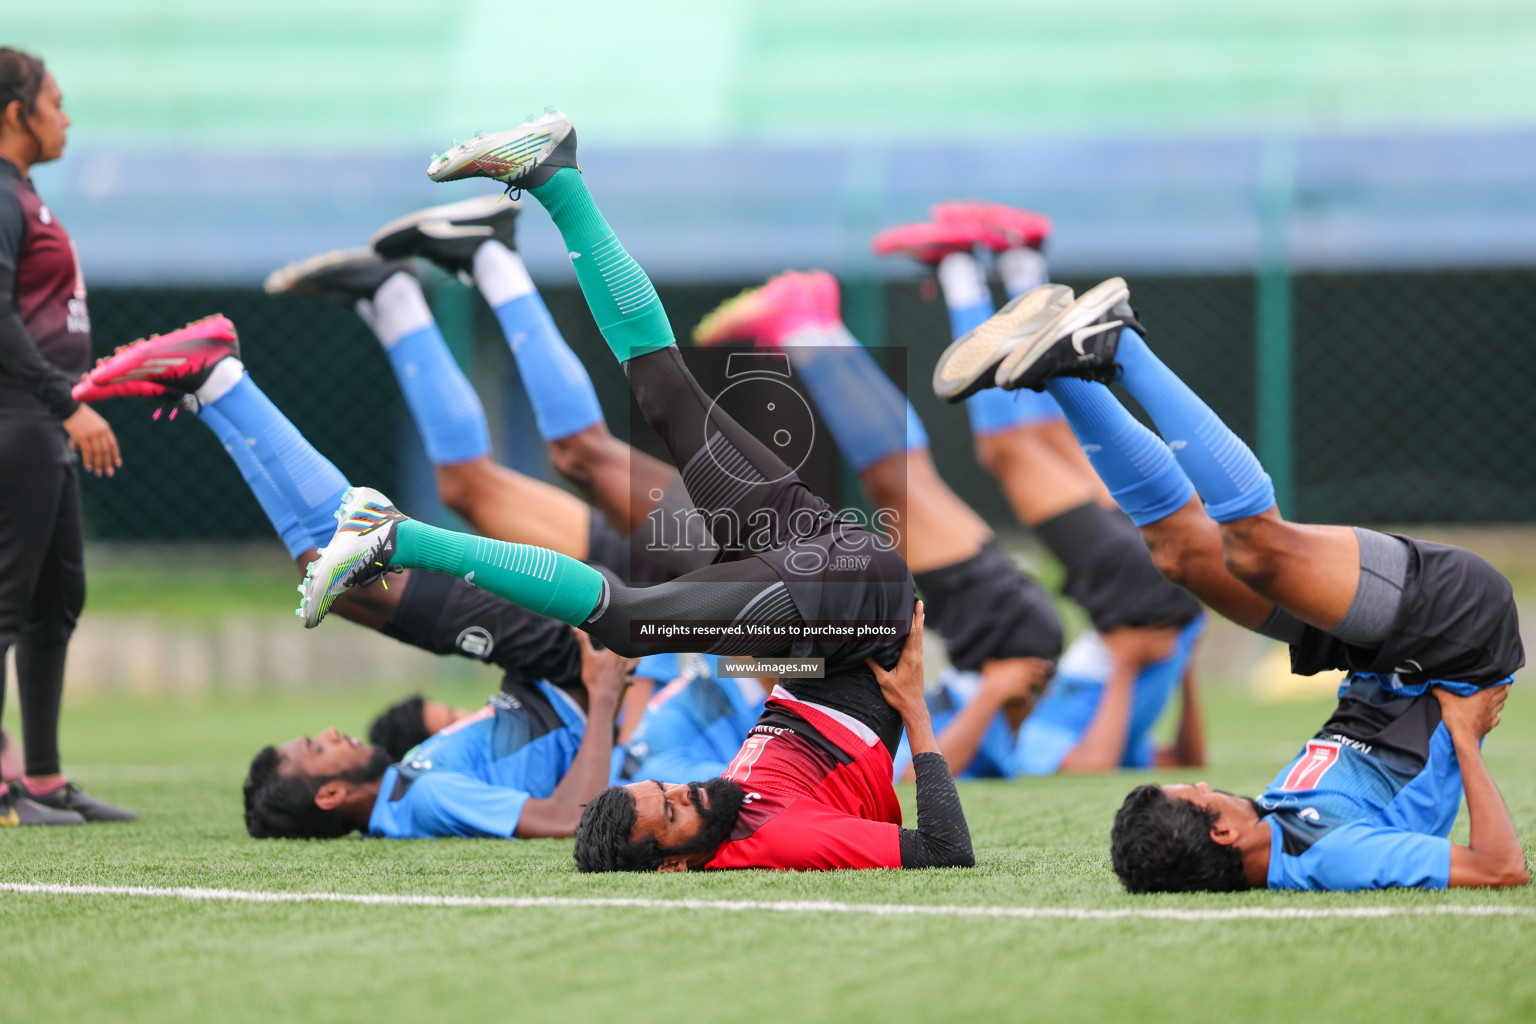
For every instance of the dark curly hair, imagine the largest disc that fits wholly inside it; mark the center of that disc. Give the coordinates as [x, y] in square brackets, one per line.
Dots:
[400, 727]
[1163, 845]
[603, 840]
[283, 807]
[602, 836]
[21, 78]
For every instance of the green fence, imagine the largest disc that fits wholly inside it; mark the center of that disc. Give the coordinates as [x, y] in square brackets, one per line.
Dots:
[1407, 401]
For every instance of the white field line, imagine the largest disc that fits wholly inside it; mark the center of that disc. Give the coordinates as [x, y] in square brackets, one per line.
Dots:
[135, 772]
[772, 906]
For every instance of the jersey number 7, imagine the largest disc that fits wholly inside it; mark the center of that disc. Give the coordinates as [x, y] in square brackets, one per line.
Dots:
[1320, 755]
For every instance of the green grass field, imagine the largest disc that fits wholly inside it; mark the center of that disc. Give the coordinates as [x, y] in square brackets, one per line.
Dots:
[1040, 844]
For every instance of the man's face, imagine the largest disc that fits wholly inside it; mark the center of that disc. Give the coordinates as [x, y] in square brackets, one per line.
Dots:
[437, 716]
[326, 755]
[667, 812]
[690, 820]
[1232, 811]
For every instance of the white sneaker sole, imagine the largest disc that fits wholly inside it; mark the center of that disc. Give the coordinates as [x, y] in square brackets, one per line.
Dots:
[465, 209]
[503, 156]
[976, 354]
[324, 577]
[283, 279]
[1091, 305]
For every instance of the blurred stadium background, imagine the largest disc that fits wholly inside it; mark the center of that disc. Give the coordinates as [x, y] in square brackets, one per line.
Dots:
[1327, 212]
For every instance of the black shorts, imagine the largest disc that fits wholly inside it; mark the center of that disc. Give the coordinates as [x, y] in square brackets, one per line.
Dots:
[849, 576]
[445, 615]
[985, 611]
[846, 575]
[1457, 623]
[1117, 584]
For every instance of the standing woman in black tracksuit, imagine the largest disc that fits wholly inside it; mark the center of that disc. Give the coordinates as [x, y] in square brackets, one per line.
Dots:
[45, 345]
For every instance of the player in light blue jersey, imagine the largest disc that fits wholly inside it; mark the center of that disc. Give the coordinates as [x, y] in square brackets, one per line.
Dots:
[521, 767]
[694, 723]
[1097, 714]
[1427, 633]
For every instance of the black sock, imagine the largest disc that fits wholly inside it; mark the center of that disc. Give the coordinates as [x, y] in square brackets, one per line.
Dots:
[40, 681]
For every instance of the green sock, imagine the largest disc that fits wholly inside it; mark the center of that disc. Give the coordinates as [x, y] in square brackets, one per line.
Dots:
[621, 297]
[534, 578]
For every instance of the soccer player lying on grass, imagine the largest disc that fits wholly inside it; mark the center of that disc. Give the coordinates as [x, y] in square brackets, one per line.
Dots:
[1427, 633]
[523, 766]
[805, 792]
[1114, 682]
[1001, 629]
[790, 569]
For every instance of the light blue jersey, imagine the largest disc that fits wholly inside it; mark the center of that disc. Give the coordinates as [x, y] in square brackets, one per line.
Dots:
[1064, 713]
[694, 723]
[1370, 800]
[473, 778]
[955, 690]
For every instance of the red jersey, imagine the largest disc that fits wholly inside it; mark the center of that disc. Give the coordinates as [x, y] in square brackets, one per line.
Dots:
[49, 293]
[812, 806]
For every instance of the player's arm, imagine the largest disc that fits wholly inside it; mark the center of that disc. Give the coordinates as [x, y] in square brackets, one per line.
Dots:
[604, 674]
[1188, 749]
[942, 838]
[1493, 856]
[635, 701]
[1002, 681]
[1102, 747]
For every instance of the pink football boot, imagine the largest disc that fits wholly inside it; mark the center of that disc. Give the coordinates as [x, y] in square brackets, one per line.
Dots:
[997, 227]
[787, 303]
[176, 362]
[929, 243]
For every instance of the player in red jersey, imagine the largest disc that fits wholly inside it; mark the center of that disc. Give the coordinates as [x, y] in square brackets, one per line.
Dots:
[45, 344]
[810, 790]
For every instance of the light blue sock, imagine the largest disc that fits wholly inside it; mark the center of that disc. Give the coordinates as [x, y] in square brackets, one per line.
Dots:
[563, 398]
[307, 481]
[867, 414]
[1134, 463]
[1224, 470]
[295, 538]
[969, 302]
[443, 404]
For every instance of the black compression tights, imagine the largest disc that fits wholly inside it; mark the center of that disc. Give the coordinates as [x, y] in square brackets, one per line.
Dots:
[730, 592]
[732, 478]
